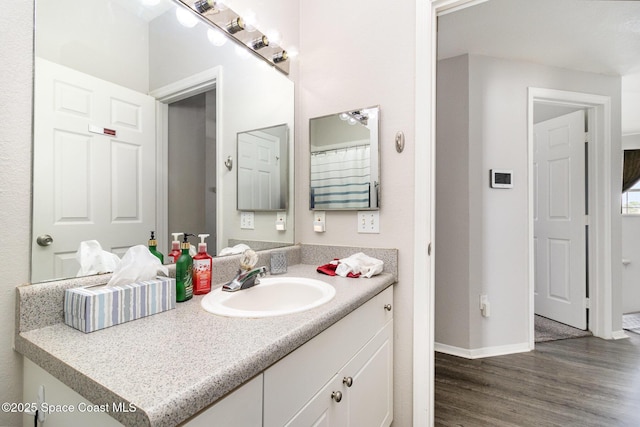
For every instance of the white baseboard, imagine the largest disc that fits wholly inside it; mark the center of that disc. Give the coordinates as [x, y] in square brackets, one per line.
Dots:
[478, 353]
[619, 335]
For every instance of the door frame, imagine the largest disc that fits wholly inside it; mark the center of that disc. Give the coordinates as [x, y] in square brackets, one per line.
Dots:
[427, 12]
[599, 180]
[165, 95]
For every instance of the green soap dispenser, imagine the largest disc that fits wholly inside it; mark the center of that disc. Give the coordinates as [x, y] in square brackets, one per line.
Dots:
[184, 272]
[153, 247]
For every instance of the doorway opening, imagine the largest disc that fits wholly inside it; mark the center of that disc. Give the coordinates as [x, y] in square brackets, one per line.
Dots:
[204, 91]
[594, 291]
[191, 168]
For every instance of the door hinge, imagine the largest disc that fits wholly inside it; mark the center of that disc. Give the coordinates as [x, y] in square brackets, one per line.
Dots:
[586, 220]
[587, 303]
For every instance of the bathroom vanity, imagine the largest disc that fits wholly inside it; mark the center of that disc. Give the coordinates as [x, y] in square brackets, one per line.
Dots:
[190, 367]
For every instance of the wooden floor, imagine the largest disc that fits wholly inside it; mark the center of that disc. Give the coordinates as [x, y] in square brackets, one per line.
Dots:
[575, 382]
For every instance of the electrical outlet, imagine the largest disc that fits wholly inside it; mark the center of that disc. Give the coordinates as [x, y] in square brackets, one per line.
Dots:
[247, 220]
[368, 221]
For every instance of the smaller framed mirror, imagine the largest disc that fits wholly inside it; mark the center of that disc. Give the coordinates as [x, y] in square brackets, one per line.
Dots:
[345, 160]
[263, 169]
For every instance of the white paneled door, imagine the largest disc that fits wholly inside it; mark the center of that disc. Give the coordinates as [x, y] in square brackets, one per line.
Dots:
[258, 171]
[94, 167]
[560, 219]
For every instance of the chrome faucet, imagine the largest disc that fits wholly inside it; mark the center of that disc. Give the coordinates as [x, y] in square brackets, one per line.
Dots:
[245, 279]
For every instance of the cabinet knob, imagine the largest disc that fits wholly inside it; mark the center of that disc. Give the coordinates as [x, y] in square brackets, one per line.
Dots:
[337, 396]
[387, 307]
[348, 381]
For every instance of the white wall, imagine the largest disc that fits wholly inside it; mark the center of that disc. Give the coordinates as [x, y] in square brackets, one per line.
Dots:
[356, 54]
[453, 207]
[498, 222]
[82, 38]
[16, 33]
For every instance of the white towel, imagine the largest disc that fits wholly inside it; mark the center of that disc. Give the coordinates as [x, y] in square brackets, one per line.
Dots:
[359, 263]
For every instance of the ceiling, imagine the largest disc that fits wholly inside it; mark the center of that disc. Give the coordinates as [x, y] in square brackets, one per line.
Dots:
[586, 35]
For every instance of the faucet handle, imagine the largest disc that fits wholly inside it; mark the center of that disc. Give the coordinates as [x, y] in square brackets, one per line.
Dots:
[249, 259]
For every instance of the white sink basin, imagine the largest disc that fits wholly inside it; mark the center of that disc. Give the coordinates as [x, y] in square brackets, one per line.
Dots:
[274, 296]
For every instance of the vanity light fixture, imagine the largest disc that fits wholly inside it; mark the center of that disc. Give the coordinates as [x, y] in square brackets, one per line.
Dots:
[280, 57]
[235, 26]
[240, 28]
[259, 43]
[203, 6]
[353, 117]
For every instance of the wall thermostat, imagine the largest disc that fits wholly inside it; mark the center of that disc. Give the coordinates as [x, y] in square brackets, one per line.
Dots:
[501, 178]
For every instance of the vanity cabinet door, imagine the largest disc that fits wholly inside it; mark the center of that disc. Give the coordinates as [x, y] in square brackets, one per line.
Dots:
[240, 408]
[326, 409]
[294, 380]
[368, 382]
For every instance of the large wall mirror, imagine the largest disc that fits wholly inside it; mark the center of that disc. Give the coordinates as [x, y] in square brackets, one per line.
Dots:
[137, 106]
[345, 160]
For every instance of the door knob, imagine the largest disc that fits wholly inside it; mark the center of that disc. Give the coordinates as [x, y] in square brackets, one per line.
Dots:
[387, 307]
[44, 240]
[348, 381]
[337, 396]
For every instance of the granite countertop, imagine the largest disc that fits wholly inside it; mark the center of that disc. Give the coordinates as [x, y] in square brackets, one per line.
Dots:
[174, 364]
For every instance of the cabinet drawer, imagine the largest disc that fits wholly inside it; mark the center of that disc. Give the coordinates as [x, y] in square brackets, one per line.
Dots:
[293, 381]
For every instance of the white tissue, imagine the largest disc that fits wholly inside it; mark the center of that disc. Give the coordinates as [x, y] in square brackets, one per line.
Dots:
[237, 249]
[94, 260]
[138, 264]
[359, 263]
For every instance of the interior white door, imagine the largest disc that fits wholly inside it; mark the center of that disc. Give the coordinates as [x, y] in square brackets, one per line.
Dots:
[94, 167]
[559, 219]
[258, 170]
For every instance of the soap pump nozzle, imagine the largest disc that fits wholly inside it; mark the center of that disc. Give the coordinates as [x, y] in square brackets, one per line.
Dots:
[185, 242]
[202, 246]
[176, 237]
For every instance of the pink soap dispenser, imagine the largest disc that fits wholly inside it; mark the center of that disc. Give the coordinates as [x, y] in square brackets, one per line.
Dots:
[202, 266]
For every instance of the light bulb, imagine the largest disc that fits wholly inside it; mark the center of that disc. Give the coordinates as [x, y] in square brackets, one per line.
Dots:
[250, 20]
[344, 116]
[352, 121]
[216, 37]
[186, 18]
[274, 36]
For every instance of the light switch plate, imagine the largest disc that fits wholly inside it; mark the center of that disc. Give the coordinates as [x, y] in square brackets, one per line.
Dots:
[319, 221]
[281, 221]
[368, 222]
[247, 220]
